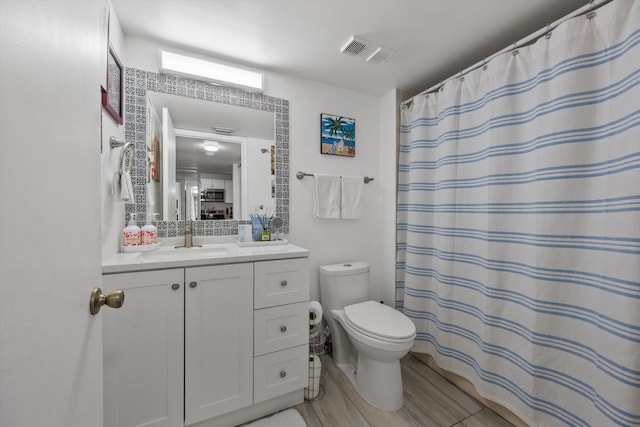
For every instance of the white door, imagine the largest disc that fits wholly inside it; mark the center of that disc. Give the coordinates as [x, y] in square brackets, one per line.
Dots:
[169, 193]
[218, 340]
[256, 164]
[50, 209]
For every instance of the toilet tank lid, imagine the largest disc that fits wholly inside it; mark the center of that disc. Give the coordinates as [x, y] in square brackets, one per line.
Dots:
[345, 269]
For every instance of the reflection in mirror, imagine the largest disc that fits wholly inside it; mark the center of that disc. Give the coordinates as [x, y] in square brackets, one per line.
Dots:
[207, 174]
[138, 83]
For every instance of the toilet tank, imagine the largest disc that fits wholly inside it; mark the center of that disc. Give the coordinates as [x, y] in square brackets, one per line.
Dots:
[343, 284]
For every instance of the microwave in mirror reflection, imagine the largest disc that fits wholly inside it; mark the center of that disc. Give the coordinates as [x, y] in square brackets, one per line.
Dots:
[212, 195]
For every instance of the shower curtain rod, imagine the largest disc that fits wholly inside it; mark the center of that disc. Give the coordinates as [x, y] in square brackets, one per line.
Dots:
[588, 8]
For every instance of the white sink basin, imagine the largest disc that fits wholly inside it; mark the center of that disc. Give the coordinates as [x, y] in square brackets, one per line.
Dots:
[205, 251]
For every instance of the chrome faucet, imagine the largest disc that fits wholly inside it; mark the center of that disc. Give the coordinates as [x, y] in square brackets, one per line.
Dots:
[188, 235]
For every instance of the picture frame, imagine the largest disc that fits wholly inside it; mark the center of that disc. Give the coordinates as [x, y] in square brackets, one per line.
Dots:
[154, 160]
[337, 135]
[112, 98]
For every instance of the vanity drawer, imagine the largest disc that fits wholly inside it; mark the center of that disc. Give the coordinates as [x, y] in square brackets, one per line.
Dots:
[281, 282]
[281, 327]
[275, 374]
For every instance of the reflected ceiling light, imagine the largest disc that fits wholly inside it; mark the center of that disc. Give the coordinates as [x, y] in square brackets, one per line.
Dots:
[211, 148]
[218, 73]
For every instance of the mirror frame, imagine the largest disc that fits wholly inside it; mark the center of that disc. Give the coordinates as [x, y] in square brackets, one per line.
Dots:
[138, 82]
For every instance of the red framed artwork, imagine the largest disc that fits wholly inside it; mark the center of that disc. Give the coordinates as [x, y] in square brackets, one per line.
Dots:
[112, 94]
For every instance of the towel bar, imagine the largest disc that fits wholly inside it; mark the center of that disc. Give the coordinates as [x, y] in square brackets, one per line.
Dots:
[301, 175]
[121, 165]
[114, 142]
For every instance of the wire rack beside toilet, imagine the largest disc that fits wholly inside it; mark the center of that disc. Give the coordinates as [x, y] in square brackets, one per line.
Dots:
[317, 339]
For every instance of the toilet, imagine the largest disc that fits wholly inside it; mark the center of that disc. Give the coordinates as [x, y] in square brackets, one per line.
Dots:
[369, 338]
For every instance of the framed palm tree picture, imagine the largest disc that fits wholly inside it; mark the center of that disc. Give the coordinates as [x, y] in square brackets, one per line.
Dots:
[337, 135]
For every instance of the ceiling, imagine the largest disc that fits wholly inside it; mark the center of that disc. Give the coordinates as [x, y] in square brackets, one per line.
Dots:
[431, 39]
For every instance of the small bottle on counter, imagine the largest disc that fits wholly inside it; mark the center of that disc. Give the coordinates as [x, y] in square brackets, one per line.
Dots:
[149, 232]
[131, 233]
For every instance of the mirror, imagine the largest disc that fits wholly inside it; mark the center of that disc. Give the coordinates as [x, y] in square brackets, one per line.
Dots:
[139, 83]
[227, 183]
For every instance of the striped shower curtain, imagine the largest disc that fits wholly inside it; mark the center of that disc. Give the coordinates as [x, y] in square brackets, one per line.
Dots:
[519, 224]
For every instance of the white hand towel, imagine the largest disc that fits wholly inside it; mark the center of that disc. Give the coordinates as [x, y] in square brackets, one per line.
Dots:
[326, 196]
[351, 203]
[126, 187]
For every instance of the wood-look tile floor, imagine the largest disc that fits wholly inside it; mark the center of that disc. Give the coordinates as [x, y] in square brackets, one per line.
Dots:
[430, 401]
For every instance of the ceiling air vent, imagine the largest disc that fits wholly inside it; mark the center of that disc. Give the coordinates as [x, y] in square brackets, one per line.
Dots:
[358, 47]
[364, 49]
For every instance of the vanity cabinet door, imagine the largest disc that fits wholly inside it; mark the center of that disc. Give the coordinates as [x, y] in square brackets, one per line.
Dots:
[218, 340]
[143, 350]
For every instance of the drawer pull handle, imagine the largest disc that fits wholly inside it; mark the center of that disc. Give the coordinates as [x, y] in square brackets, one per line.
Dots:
[283, 328]
[193, 284]
[283, 283]
[175, 286]
[283, 374]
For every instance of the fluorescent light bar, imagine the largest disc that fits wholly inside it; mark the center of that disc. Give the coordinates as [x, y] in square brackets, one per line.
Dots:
[218, 73]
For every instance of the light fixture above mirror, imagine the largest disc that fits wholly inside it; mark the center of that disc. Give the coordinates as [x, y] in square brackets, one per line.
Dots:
[186, 66]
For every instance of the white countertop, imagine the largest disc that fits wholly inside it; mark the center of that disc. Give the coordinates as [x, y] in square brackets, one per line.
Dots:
[167, 256]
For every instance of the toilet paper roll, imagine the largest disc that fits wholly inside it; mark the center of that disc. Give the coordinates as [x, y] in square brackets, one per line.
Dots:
[315, 313]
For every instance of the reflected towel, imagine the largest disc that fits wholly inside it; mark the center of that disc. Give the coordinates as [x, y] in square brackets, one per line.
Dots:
[351, 202]
[126, 187]
[326, 196]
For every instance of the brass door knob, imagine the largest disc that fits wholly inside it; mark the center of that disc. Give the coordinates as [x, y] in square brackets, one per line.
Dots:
[283, 374]
[114, 299]
[283, 283]
[193, 284]
[283, 328]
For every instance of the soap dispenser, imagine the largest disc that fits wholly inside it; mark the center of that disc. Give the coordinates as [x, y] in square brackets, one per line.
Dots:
[131, 233]
[149, 231]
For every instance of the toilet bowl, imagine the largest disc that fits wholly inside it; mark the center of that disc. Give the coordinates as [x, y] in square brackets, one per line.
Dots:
[369, 338]
[377, 376]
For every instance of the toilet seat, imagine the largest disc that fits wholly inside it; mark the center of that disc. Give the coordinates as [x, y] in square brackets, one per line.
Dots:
[380, 322]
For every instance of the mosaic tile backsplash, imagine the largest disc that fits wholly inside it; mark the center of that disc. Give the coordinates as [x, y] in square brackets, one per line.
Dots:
[137, 83]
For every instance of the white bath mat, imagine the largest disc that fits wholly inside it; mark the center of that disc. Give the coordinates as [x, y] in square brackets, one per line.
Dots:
[288, 418]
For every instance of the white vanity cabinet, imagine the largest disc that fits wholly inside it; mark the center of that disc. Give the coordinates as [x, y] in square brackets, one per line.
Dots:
[143, 350]
[218, 340]
[206, 345]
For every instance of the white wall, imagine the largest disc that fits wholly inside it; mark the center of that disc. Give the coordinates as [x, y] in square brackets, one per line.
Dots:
[334, 241]
[389, 138]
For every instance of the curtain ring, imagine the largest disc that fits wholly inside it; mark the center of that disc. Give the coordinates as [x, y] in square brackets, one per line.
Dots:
[591, 13]
[515, 50]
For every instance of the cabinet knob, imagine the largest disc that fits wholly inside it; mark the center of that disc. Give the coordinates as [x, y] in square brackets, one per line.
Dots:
[193, 284]
[175, 286]
[283, 283]
[283, 374]
[283, 328]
